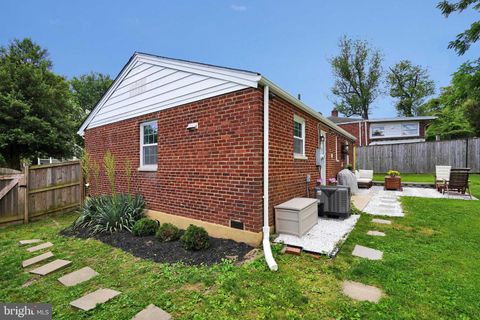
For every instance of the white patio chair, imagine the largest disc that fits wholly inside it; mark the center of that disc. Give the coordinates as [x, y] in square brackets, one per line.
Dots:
[364, 178]
[442, 176]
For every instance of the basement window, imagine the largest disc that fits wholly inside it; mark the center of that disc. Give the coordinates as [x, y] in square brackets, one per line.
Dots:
[298, 137]
[148, 146]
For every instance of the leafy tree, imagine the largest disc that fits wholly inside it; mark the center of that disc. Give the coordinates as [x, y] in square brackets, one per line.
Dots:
[358, 70]
[458, 106]
[88, 89]
[465, 39]
[409, 84]
[36, 108]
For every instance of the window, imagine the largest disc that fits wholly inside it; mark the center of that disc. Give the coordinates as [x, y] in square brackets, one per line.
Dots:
[148, 145]
[298, 137]
[410, 129]
[378, 131]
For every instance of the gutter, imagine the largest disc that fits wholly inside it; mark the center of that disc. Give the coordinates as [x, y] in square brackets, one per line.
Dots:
[267, 250]
[299, 104]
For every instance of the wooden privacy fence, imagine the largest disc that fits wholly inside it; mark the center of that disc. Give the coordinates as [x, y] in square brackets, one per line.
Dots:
[420, 157]
[39, 190]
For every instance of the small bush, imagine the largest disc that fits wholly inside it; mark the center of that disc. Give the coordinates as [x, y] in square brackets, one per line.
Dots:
[195, 238]
[168, 232]
[110, 214]
[145, 227]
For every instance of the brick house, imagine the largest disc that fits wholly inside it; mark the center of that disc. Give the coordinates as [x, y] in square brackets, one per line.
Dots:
[195, 136]
[384, 130]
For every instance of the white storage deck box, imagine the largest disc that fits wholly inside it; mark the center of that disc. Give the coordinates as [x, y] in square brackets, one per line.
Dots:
[296, 216]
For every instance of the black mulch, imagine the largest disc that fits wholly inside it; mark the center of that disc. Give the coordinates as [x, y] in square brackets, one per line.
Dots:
[150, 247]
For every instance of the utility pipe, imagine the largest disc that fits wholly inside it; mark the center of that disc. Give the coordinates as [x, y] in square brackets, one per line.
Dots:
[267, 250]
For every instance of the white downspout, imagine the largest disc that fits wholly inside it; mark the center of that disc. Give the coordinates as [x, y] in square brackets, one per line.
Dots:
[267, 250]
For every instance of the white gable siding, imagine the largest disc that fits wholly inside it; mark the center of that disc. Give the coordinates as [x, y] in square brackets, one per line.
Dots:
[148, 88]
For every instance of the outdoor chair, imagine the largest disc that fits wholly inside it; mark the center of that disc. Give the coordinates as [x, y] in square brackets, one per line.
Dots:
[458, 181]
[442, 175]
[364, 178]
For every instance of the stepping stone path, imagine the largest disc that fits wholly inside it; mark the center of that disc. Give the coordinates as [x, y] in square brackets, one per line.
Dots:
[90, 301]
[368, 253]
[376, 233]
[381, 221]
[78, 276]
[32, 241]
[361, 292]
[152, 312]
[40, 247]
[43, 256]
[51, 267]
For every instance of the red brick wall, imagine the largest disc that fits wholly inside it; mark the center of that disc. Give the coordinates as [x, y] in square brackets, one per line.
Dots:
[287, 177]
[213, 174]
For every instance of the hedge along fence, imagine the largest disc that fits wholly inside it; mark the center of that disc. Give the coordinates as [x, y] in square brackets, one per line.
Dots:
[39, 190]
[420, 157]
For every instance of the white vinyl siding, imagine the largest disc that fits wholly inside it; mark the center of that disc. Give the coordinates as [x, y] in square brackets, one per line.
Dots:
[148, 145]
[298, 137]
[148, 84]
[394, 130]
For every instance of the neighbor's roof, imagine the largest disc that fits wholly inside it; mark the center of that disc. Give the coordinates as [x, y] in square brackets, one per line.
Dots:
[237, 78]
[346, 120]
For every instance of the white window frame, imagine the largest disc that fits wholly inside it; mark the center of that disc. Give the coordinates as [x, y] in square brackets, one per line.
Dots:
[336, 149]
[302, 122]
[151, 167]
[372, 129]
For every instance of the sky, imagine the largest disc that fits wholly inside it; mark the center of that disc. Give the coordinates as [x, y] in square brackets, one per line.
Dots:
[289, 42]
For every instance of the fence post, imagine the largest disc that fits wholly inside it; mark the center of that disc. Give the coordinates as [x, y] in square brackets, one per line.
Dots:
[25, 209]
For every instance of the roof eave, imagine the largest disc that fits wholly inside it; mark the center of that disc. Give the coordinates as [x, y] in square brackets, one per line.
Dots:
[299, 104]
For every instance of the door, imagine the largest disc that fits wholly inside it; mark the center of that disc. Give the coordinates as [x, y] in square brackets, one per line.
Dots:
[322, 159]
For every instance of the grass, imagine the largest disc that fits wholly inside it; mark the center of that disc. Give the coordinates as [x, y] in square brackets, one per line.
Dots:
[431, 270]
[408, 177]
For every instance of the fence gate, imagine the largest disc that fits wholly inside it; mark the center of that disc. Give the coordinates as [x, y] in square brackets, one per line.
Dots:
[39, 190]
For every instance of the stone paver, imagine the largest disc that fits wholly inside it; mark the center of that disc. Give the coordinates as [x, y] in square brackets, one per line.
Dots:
[51, 267]
[293, 250]
[78, 276]
[368, 253]
[376, 233]
[381, 221]
[37, 259]
[152, 312]
[31, 241]
[40, 247]
[361, 292]
[91, 300]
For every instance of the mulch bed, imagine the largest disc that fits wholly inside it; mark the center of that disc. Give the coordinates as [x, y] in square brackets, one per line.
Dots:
[150, 247]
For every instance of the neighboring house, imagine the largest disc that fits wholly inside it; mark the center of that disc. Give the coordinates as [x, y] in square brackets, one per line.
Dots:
[195, 135]
[384, 131]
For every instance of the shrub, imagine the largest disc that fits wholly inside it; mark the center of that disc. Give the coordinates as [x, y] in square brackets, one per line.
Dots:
[393, 173]
[350, 167]
[195, 238]
[110, 213]
[145, 227]
[168, 232]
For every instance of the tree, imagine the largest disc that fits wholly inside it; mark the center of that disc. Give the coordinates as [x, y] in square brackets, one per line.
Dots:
[87, 90]
[358, 70]
[409, 84]
[465, 39]
[458, 106]
[36, 107]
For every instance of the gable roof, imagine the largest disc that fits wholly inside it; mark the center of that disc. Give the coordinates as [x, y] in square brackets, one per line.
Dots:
[174, 82]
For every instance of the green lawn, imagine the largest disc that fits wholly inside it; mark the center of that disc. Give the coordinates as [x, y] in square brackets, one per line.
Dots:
[408, 177]
[431, 270]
